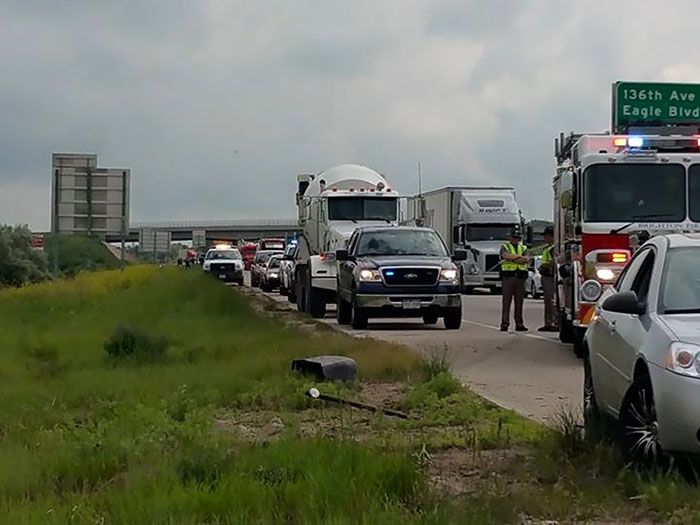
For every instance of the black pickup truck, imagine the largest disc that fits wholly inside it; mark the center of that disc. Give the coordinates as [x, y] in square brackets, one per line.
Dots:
[390, 271]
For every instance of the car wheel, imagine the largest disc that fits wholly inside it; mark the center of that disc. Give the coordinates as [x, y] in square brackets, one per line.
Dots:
[343, 311]
[430, 318]
[595, 424]
[359, 316]
[292, 294]
[301, 293]
[639, 426]
[453, 319]
[533, 290]
[282, 291]
[239, 282]
[265, 287]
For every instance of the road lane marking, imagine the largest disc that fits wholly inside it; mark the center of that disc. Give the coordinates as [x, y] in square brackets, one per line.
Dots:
[498, 328]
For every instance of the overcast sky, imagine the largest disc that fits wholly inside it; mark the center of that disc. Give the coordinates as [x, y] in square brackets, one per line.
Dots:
[216, 105]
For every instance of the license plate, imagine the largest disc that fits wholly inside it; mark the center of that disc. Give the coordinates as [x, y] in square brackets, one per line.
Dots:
[411, 304]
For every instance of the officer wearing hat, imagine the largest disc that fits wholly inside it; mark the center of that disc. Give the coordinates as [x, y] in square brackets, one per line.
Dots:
[514, 260]
[547, 273]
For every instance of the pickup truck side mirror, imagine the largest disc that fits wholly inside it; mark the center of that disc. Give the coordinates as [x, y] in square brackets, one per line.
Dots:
[343, 255]
[459, 255]
[624, 303]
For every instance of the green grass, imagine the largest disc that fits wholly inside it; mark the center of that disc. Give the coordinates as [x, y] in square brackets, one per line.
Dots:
[159, 396]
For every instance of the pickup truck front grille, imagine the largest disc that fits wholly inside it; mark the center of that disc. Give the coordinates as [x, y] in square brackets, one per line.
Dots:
[223, 267]
[410, 276]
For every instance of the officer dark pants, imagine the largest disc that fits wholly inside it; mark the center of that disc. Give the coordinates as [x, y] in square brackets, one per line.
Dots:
[549, 303]
[513, 288]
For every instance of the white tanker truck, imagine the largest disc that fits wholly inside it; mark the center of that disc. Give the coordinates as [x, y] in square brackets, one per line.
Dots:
[331, 205]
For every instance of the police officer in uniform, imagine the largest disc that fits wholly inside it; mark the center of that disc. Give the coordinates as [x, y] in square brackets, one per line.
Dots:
[514, 260]
[547, 274]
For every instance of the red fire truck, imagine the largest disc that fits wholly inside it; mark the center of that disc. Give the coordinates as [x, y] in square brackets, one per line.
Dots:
[611, 192]
[247, 250]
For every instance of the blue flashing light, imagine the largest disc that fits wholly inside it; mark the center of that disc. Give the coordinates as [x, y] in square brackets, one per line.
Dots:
[389, 273]
[635, 142]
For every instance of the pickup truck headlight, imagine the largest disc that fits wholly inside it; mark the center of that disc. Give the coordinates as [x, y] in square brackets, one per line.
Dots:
[448, 274]
[684, 359]
[274, 275]
[370, 275]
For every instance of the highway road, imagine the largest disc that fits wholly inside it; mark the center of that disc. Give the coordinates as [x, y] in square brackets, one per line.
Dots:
[531, 373]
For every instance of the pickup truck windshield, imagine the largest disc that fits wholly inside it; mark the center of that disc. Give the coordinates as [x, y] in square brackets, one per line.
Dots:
[223, 254]
[489, 232]
[634, 193]
[362, 208]
[401, 242]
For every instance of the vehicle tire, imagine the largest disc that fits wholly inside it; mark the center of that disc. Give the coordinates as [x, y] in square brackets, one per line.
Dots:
[240, 282]
[639, 426]
[292, 294]
[344, 311]
[596, 425]
[566, 329]
[359, 316]
[579, 343]
[265, 287]
[301, 292]
[533, 290]
[316, 301]
[453, 319]
[495, 290]
[431, 318]
[283, 291]
[467, 290]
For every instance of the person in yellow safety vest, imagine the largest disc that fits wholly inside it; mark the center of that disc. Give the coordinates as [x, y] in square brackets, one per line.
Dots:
[547, 275]
[514, 260]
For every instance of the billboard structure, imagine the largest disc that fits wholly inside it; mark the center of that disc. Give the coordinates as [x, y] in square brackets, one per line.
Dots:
[86, 199]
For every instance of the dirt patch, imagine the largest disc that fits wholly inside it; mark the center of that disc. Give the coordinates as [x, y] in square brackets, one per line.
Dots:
[457, 470]
[382, 394]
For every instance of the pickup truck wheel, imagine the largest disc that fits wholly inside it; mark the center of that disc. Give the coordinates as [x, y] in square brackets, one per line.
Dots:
[283, 291]
[430, 318]
[344, 311]
[359, 316]
[301, 293]
[292, 294]
[453, 319]
[316, 301]
[265, 287]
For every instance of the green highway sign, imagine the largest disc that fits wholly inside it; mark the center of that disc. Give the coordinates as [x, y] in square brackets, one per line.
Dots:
[655, 104]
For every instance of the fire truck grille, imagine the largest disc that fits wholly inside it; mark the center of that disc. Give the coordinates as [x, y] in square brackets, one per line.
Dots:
[410, 276]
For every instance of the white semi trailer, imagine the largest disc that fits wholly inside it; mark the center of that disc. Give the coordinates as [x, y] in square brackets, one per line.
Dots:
[477, 219]
[331, 204]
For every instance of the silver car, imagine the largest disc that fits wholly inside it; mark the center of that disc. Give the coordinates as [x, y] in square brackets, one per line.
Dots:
[533, 284]
[642, 369]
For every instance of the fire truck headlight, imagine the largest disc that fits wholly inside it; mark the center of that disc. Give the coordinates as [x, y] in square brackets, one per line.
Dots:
[591, 290]
[605, 274]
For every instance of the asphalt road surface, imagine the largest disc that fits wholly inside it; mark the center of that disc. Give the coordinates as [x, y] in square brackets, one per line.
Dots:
[531, 373]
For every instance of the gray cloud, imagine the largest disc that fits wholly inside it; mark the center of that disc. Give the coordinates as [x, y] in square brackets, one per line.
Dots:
[215, 105]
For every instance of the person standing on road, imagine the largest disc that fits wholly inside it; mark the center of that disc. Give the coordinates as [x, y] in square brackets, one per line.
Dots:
[514, 261]
[547, 274]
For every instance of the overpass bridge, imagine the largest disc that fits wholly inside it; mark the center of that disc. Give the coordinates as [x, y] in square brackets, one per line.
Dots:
[227, 229]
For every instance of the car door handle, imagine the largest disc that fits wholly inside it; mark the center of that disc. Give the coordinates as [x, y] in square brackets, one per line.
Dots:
[613, 326]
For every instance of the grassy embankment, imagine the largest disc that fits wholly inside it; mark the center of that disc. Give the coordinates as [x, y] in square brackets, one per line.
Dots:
[205, 422]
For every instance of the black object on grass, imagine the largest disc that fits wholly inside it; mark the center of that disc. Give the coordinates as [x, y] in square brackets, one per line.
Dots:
[327, 367]
[316, 394]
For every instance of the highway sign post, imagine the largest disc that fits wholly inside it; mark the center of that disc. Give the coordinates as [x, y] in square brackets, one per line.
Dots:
[646, 104]
[87, 200]
[199, 238]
